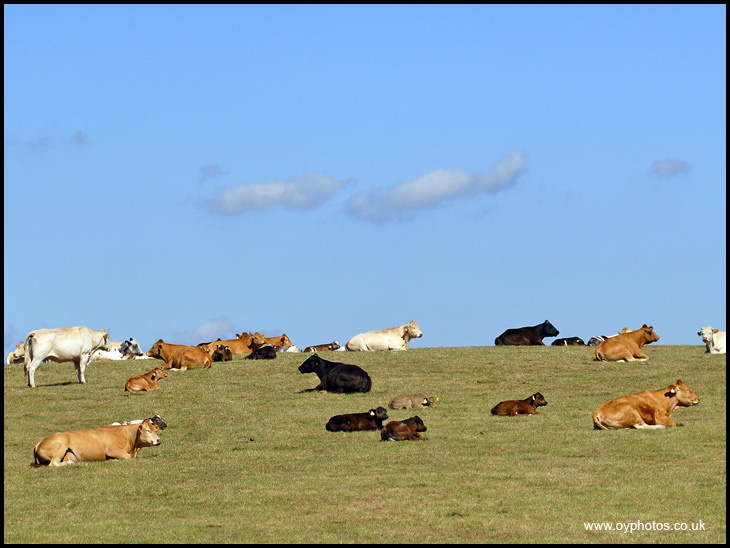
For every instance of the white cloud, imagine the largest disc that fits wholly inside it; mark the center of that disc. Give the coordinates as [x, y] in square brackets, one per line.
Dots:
[436, 187]
[670, 168]
[307, 192]
[210, 171]
[208, 331]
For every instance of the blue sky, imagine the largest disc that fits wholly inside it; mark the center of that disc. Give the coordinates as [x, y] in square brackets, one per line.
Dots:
[189, 172]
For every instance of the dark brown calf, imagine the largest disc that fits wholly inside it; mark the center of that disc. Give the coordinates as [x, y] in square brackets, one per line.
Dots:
[403, 430]
[353, 422]
[528, 406]
[222, 354]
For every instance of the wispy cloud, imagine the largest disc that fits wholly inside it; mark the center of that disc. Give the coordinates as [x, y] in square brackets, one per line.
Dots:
[210, 171]
[307, 192]
[208, 331]
[436, 187]
[670, 168]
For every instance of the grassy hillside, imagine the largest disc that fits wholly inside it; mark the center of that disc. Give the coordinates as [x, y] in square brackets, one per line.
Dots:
[246, 457]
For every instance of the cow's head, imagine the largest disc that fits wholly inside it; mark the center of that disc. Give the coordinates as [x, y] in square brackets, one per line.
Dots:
[311, 364]
[147, 434]
[685, 397]
[379, 413]
[257, 341]
[549, 330]
[430, 401]
[334, 345]
[154, 352]
[161, 425]
[413, 330]
[158, 373]
[648, 333]
[417, 424]
[284, 341]
[538, 400]
[104, 340]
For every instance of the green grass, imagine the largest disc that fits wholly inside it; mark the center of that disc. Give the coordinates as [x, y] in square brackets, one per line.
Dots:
[246, 457]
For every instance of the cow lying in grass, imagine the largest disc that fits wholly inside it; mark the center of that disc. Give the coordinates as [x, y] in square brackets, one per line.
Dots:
[335, 376]
[145, 382]
[404, 430]
[528, 406]
[626, 346]
[353, 422]
[413, 401]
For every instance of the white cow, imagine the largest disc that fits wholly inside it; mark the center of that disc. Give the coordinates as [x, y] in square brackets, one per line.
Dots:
[18, 355]
[714, 339]
[65, 344]
[126, 350]
[395, 338]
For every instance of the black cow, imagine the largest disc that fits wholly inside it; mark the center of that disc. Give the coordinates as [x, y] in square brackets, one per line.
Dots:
[267, 352]
[527, 336]
[335, 376]
[598, 339]
[569, 341]
[353, 422]
[222, 354]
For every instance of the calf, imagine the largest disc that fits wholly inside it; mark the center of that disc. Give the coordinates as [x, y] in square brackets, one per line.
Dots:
[145, 382]
[334, 345]
[413, 401]
[527, 336]
[161, 424]
[352, 422]
[714, 339]
[648, 409]
[96, 444]
[267, 352]
[222, 354]
[335, 376]
[569, 341]
[403, 430]
[626, 347]
[178, 356]
[528, 406]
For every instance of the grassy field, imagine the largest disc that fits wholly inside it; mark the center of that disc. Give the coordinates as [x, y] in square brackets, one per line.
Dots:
[246, 457]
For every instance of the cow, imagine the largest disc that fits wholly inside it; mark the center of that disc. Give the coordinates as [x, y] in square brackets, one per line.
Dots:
[266, 352]
[145, 382]
[285, 349]
[336, 377]
[64, 344]
[598, 339]
[130, 350]
[222, 353]
[394, 338]
[528, 406]
[96, 444]
[111, 354]
[334, 345]
[626, 347]
[403, 430]
[649, 409]
[714, 339]
[242, 345]
[354, 422]
[569, 341]
[161, 424]
[527, 336]
[178, 356]
[281, 340]
[17, 355]
[413, 401]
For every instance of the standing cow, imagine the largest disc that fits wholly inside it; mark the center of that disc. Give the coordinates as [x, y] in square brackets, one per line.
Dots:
[65, 344]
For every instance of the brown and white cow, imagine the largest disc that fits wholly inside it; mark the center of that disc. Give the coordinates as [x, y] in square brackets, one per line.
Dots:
[145, 382]
[528, 406]
[714, 339]
[647, 409]
[394, 338]
[626, 347]
[64, 344]
[96, 444]
[413, 401]
[179, 356]
[334, 345]
[403, 430]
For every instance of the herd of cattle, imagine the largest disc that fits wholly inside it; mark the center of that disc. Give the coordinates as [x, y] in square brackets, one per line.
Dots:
[648, 409]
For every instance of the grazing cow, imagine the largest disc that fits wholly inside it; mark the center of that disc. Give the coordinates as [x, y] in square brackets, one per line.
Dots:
[527, 336]
[335, 376]
[334, 345]
[178, 356]
[569, 341]
[222, 353]
[267, 352]
[528, 406]
[714, 339]
[145, 382]
[403, 430]
[155, 420]
[647, 409]
[96, 444]
[65, 344]
[626, 347]
[394, 338]
[413, 401]
[353, 422]
[17, 355]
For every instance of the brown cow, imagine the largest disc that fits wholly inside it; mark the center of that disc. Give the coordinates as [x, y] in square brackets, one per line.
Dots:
[626, 347]
[528, 406]
[334, 345]
[96, 444]
[241, 345]
[145, 382]
[353, 422]
[178, 356]
[403, 430]
[413, 401]
[647, 409]
[281, 340]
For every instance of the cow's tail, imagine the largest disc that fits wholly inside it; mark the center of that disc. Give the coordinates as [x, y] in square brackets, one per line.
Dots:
[36, 460]
[597, 421]
[600, 356]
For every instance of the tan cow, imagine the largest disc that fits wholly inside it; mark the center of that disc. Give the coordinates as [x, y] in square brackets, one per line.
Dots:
[17, 355]
[626, 347]
[145, 382]
[413, 401]
[243, 344]
[281, 340]
[178, 356]
[394, 338]
[96, 444]
[648, 409]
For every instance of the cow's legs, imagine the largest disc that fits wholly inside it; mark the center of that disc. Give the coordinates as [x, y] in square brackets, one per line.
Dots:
[81, 367]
